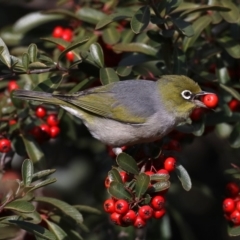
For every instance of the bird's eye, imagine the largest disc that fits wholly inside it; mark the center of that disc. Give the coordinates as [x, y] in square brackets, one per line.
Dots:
[186, 94]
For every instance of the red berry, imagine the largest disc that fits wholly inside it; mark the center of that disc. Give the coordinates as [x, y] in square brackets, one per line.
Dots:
[12, 122]
[60, 47]
[5, 145]
[228, 205]
[109, 206]
[234, 105]
[139, 222]
[170, 164]
[121, 206]
[159, 214]
[210, 100]
[116, 218]
[162, 171]
[107, 182]
[70, 56]
[57, 32]
[124, 176]
[54, 131]
[52, 120]
[157, 202]
[197, 114]
[67, 35]
[40, 112]
[235, 217]
[129, 217]
[145, 212]
[45, 131]
[232, 189]
[149, 173]
[12, 85]
[238, 205]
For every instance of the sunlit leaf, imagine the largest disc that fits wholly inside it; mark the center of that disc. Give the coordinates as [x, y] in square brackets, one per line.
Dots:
[230, 16]
[183, 177]
[20, 206]
[108, 75]
[5, 55]
[90, 15]
[97, 54]
[27, 172]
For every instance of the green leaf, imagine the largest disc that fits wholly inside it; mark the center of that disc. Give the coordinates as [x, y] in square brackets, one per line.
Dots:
[33, 217]
[57, 231]
[142, 183]
[37, 65]
[38, 175]
[25, 60]
[118, 191]
[222, 75]
[184, 27]
[112, 18]
[114, 175]
[230, 16]
[37, 230]
[230, 45]
[43, 184]
[65, 208]
[20, 206]
[57, 41]
[111, 35]
[32, 52]
[27, 172]
[160, 186]
[50, 84]
[83, 85]
[90, 15]
[140, 20]
[234, 138]
[33, 149]
[127, 163]
[33, 20]
[231, 90]
[234, 231]
[108, 75]
[63, 12]
[199, 25]
[183, 177]
[87, 209]
[97, 54]
[5, 55]
[136, 47]
[124, 71]
[72, 46]
[159, 177]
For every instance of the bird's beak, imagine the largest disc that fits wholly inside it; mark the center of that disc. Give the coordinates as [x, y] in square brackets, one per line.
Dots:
[198, 102]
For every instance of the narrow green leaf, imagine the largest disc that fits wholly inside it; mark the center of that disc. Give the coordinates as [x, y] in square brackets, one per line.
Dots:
[25, 60]
[38, 175]
[20, 206]
[74, 235]
[90, 15]
[111, 35]
[5, 55]
[59, 233]
[63, 12]
[33, 217]
[37, 65]
[231, 90]
[108, 75]
[124, 71]
[87, 209]
[27, 172]
[234, 231]
[159, 177]
[184, 27]
[183, 177]
[230, 16]
[33, 149]
[118, 191]
[33, 20]
[136, 47]
[199, 25]
[97, 54]
[140, 20]
[67, 209]
[43, 184]
[127, 163]
[234, 138]
[82, 85]
[223, 75]
[231, 46]
[112, 18]
[160, 186]
[37, 230]
[114, 175]
[32, 52]
[50, 84]
[142, 184]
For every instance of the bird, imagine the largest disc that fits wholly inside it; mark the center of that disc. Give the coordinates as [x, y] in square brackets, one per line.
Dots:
[128, 112]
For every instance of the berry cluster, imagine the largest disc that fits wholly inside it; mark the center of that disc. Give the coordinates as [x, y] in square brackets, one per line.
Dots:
[67, 35]
[139, 207]
[48, 129]
[231, 204]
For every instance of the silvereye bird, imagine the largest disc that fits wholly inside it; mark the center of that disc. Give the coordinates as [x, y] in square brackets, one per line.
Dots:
[128, 112]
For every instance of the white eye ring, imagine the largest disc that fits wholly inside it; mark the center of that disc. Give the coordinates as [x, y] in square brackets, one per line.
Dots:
[186, 94]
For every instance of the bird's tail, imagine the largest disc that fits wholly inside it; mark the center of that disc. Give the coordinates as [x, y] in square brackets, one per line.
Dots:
[36, 96]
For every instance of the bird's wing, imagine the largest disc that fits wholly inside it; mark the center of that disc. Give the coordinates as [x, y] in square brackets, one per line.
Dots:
[111, 103]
